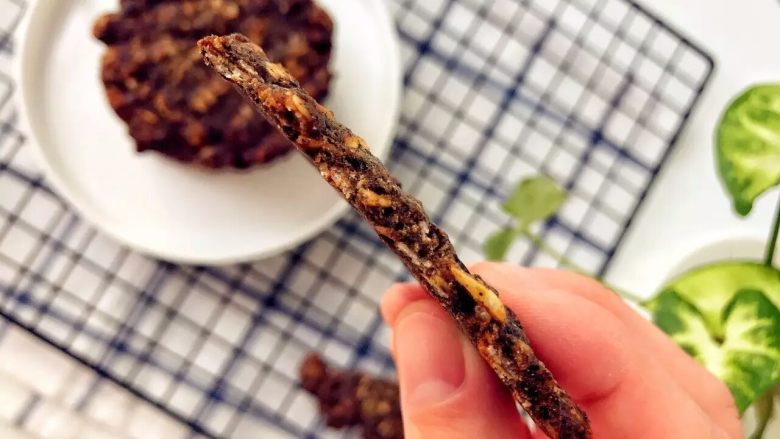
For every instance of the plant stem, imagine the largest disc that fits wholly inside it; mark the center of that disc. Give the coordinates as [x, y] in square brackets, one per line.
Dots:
[770, 249]
[555, 254]
[764, 407]
[568, 263]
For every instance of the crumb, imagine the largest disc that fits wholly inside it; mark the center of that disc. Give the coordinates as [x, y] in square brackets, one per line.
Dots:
[354, 399]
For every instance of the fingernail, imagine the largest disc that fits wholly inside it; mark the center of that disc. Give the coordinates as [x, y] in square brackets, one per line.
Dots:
[430, 354]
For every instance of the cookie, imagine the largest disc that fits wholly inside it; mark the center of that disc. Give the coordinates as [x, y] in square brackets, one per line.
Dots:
[175, 105]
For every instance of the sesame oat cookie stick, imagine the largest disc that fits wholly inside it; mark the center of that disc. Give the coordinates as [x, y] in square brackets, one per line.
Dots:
[344, 160]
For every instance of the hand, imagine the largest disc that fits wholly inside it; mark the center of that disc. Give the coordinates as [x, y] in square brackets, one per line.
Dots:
[632, 380]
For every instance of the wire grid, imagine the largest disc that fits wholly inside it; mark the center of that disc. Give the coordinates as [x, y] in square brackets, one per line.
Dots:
[591, 92]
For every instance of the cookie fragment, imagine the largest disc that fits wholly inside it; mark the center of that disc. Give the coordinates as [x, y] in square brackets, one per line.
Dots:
[354, 399]
[175, 105]
[401, 222]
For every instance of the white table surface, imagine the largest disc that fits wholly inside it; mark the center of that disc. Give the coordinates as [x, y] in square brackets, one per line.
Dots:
[687, 206]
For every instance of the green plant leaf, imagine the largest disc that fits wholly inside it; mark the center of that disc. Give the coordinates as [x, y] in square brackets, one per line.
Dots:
[751, 345]
[534, 199]
[748, 145]
[746, 355]
[711, 287]
[498, 244]
[684, 324]
[726, 316]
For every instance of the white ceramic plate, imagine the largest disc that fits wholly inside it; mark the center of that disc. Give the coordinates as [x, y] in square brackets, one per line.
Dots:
[175, 212]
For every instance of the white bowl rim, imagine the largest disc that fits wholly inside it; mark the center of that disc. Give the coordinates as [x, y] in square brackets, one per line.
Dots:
[689, 251]
[100, 222]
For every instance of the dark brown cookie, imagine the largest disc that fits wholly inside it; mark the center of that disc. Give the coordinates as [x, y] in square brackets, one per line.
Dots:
[175, 105]
[346, 163]
[354, 399]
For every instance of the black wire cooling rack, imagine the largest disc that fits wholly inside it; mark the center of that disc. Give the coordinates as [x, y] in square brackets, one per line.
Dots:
[590, 92]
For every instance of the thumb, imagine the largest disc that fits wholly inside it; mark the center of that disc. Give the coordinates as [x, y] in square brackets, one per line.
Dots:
[447, 390]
